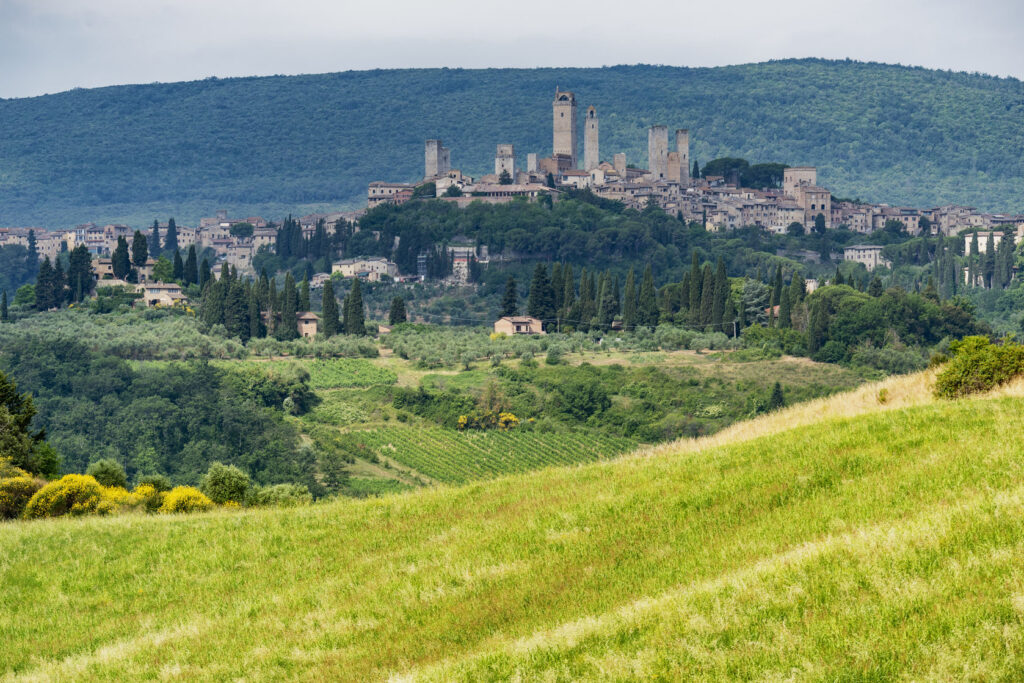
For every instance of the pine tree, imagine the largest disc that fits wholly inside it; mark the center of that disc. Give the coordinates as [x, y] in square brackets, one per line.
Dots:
[178, 271]
[329, 311]
[171, 238]
[647, 303]
[696, 286]
[356, 314]
[541, 301]
[510, 302]
[4, 315]
[397, 316]
[289, 327]
[120, 262]
[154, 240]
[191, 272]
[721, 296]
[140, 250]
[629, 303]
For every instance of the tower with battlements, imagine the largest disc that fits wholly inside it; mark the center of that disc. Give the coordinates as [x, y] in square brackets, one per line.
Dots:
[564, 125]
[591, 153]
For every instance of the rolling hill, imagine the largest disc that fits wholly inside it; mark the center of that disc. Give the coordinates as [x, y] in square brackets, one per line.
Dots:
[851, 537]
[297, 143]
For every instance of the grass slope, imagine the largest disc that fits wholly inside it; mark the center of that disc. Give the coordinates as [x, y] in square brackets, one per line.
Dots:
[289, 144]
[871, 545]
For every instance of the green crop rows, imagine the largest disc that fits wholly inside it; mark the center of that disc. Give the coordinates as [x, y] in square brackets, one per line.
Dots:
[457, 457]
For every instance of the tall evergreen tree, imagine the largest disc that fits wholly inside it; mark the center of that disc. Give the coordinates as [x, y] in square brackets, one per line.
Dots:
[191, 272]
[304, 295]
[607, 305]
[568, 297]
[510, 301]
[140, 249]
[257, 329]
[777, 287]
[629, 303]
[80, 272]
[989, 261]
[356, 312]
[647, 303]
[154, 240]
[707, 295]
[557, 285]
[120, 262]
[236, 310]
[721, 296]
[289, 327]
[785, 310]
[541, 301]
[33, 250]
[205, 274]
[329, 311]
[875, 288]
[696, 170]
[171, 239]
[397, 316]
[696, 287]
[4, 314]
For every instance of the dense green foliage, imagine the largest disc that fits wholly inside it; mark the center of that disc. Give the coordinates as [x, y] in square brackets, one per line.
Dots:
[979, 365]
[885, 133]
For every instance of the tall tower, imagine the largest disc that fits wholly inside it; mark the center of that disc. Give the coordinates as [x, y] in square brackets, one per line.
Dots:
[591, 153]
[683, 147]
[657, 152]
[505, 160]
[437, 159]
[564, 126]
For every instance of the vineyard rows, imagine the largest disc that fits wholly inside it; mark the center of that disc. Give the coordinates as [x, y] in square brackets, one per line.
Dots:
[457, 457]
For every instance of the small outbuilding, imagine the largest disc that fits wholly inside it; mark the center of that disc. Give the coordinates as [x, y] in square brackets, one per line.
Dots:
[309, 324]
[518, 324]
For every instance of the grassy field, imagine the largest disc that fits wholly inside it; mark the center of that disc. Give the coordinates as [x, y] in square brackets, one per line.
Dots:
[866, 536]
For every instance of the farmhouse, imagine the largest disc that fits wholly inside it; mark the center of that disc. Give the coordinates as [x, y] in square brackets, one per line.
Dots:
[518, 324]
[309, 324]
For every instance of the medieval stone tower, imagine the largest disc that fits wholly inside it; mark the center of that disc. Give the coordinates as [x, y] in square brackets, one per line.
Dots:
[505, 160]
[591, 153]
[657, 152]
[683, 147]
[564, 126]
[437, 160]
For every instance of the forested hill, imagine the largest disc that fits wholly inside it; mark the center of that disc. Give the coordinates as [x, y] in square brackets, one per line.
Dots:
[296, 143]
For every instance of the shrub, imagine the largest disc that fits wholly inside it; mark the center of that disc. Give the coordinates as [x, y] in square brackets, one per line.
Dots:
[108, 472]
[160, 482]
[74, 494]
[225, 482]
[185, 499]
[978, 365]
[281, 495]
[149, 496]
[15, 494]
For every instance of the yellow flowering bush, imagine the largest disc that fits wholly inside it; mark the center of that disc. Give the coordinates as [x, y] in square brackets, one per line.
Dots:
[72, 494]
[148, 497]
[507, 421]
[15, 492]
[185, 499]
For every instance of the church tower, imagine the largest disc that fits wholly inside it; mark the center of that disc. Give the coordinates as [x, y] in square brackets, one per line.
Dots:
[564, 126]
[591, 155]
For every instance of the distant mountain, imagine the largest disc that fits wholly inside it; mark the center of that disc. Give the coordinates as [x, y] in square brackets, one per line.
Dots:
[298, 143]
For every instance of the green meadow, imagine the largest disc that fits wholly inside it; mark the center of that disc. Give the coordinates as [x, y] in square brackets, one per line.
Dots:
[866, 536]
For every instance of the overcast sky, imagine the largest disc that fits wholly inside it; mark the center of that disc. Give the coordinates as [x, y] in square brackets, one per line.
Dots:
[48, 46]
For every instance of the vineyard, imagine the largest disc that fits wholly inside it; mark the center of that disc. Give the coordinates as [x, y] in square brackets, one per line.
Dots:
[457, 457]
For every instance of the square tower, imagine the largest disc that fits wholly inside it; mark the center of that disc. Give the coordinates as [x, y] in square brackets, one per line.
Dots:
[797, 176]
[564, 125]
[437, 160]
[683, 147]
[505, 160]
[657, 152]
[591, 153]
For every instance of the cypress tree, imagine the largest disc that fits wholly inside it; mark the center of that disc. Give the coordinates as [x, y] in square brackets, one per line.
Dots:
[140, 250]
[989, 261]
[568, 291]
[356, 315]
[396, 315]
[120, 261]
[785, 310]
[776, 400]
[154, 240]
[777, 287]
[33, 251]
[191, 272]
[607, 305]
[541, 301]
[647, 303]
[289, 327]
[695, 288]
[974, 244]
[329, 311]
[817, 327]
[178, 269]
[4, 315]
[557, 285]
[171, 238]
[696, 170]
[875, 288]
[510, 302]
[304, 295]
[839, 278]
[707, 296]
[629, 300]
[204, 274]
[721, 295]
[46, 286]
[236, 310]
[256, 327]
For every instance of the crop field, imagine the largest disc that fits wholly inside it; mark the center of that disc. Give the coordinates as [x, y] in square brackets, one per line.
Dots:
[455, 457]
[860, 542]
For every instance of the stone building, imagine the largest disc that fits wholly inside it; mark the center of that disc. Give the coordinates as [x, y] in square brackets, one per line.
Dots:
[657, 152]
[795, 176]
[591, 150]
[683, 148]
[518, 324]
[564, 126]
[438, 160]
[868, 254]
[505, 161]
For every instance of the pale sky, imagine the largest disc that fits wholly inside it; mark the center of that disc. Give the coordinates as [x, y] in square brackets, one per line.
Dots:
[49, 46]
